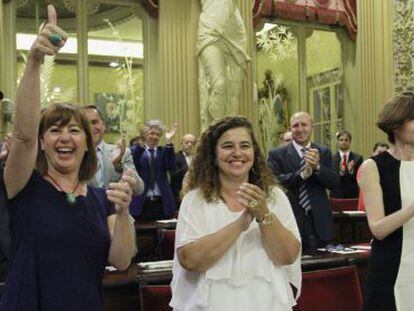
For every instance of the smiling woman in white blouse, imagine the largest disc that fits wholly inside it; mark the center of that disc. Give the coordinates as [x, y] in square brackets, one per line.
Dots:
[237, 242]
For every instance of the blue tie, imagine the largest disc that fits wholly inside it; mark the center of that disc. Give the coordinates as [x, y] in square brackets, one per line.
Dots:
[153, 172]
[304, 201]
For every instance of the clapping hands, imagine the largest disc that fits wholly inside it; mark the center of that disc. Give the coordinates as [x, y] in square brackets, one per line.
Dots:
[120, 193]
[119, 153]
[312, 158]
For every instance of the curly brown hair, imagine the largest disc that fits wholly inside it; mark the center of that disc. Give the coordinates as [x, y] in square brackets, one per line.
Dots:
[203, 172]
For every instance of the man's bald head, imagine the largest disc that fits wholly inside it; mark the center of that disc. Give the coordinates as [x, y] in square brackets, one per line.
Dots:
[302, 114]
[301, 125]
[187, 143]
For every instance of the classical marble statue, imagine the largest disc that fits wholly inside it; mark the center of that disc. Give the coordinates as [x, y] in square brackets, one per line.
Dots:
[221, 48]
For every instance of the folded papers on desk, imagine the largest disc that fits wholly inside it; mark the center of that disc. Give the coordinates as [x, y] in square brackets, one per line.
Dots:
[156, 265]
[353, 212]
[346, 250]
[362, 247]
[110, 268]
[167, 221]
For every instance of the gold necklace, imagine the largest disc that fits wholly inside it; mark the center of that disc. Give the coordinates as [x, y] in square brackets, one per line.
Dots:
[70, 196]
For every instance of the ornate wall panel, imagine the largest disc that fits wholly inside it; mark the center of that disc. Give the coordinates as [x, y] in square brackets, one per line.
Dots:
[403, 44]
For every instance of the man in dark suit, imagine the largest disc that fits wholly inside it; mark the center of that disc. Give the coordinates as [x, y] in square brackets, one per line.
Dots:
[305, 170]
[182, 161]
[347, 164]
[153, 162]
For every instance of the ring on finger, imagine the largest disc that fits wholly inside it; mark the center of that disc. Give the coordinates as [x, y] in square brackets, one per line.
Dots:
[253, 204]
[55, 39]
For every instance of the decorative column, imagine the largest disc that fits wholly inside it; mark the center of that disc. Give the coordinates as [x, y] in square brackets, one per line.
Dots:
[178, 20]
[8, 49]
[152, 73]
[375, 59]
[248, 101]
[1, 46]
[82, 68]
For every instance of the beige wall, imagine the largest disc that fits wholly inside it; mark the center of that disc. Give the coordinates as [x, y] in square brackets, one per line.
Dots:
[368, 72]
[1, 45]
[374, 64]
[323, 50]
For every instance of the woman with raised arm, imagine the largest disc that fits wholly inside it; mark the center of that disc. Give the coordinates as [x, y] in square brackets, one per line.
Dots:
[237, 242]
[63, 233]
[387, 185]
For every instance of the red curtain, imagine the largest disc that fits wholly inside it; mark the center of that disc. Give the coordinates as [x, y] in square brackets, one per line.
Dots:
[152, 7]
[316, 11]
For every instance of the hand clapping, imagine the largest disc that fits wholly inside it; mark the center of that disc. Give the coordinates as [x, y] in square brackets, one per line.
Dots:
[312, 158]
[254, 199]
[120, 193]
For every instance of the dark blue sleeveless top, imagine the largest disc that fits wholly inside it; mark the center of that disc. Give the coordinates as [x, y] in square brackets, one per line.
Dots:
[59, 251]
[385, 256]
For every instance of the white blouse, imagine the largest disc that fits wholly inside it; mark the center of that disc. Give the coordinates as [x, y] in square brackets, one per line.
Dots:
[244, 278]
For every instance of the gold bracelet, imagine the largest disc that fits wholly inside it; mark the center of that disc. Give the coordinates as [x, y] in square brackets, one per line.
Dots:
[266, 219]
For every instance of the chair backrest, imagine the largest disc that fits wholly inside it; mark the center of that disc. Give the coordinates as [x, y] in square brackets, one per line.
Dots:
[167, 245]
[155, 297]
[331, 289]
[339, 205]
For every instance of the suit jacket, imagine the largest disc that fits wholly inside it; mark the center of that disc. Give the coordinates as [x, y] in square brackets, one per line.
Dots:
[112, 175]
[348, 185]
[284, 161]
[165, 162]
[177, 176]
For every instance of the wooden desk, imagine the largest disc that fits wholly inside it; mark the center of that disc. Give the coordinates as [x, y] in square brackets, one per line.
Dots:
[149, 235]
[310, 262]
[326, 260]
[121, 289]
[351, 228]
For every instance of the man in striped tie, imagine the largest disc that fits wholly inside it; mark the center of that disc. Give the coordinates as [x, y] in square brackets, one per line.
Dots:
[305, 169]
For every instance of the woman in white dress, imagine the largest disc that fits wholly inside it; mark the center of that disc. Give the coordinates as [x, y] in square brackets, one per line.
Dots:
[237, 242]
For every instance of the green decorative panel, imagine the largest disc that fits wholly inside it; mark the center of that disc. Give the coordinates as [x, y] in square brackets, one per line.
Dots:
[403, 44]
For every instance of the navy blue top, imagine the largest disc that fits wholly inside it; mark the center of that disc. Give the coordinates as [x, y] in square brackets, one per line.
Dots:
[59, 251]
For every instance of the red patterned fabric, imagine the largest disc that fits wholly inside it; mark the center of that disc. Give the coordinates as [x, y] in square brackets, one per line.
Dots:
[152, 7]
[155, 298]
[332, 289]
[341, 13]
[339, 205]
[322, 3]
[317, 11]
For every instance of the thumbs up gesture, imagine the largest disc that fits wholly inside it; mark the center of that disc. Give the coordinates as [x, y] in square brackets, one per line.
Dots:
[50, 39]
